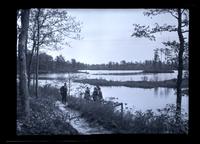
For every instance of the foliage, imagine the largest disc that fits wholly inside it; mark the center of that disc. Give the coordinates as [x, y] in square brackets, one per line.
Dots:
[138, 122]
[94, 112]
[182, 27]
[171, 51]
[45, 118]
[49, 65]
[54, 24]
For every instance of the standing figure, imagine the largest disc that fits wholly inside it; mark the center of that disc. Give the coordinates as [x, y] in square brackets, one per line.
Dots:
[63, 92]
[100, 96]
[87, 94]
[95, 94]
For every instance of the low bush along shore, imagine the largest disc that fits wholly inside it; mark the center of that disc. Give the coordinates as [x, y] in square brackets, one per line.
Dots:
[158, 71]
[140, 84]
[136, 73]
[137, 122]
[47, 119]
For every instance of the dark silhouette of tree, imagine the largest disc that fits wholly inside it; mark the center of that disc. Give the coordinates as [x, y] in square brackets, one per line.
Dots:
[50, 29]
[181, 15]
[59, 63]
[23, 86]
[156, 59]
[73, 61]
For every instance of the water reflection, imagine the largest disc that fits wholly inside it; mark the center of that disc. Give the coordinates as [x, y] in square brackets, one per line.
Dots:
[137, 77]
[159, 92]
[166, 91]
[136, 98]
[143, 99]
[156, 91]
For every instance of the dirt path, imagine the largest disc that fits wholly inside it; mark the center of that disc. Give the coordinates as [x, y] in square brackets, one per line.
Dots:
[80, 124]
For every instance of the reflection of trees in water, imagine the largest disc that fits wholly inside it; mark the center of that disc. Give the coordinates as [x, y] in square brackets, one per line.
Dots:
[155, 77]
[156, 91]
[166, 91]
[162, 91]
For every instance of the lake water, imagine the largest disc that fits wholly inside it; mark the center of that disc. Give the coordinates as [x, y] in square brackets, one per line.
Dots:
[101, 74]
[133, 98]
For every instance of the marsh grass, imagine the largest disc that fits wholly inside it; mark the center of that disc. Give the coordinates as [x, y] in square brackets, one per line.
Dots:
[137, 122]
[140, 84]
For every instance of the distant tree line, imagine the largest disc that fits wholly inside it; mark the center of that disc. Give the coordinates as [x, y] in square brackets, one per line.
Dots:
[58, 65]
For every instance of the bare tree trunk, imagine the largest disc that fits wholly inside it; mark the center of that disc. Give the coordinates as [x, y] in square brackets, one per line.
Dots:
[180, 68]
[37, 52]
[33, 82]
[30, 62]
[37, 67]
[23, 87]
[31, 56]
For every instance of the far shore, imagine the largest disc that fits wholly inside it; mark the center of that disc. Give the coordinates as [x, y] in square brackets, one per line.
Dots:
[139, 84]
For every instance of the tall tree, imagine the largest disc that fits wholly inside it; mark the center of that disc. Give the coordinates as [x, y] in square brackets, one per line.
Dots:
[23, 87]
[50, 29]
[59, 63]
[156, 59]
[37, 51]
[181, 15]
[73, 61]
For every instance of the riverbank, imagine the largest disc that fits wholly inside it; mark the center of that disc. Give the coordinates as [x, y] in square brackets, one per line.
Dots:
[158, 71]
[49, 72]
[47, 119]
[138, 84]
[137, 73]
[130, 73]
[105, 114]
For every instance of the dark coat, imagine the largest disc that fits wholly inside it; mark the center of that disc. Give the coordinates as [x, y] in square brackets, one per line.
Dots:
[63, 90]
[87, 95]
[95, 95]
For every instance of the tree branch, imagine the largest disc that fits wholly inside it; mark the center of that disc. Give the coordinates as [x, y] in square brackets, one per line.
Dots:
[185, 31]
[172, 14]
[182, 11]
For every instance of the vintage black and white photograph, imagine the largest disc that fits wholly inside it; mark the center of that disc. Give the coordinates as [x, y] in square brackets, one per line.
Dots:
[102, 71]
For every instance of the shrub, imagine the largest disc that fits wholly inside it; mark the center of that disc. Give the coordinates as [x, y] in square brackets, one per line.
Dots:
[137, 122]
[45, 118]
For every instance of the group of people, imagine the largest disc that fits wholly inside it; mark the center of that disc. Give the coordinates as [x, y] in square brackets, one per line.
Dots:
[96, 95]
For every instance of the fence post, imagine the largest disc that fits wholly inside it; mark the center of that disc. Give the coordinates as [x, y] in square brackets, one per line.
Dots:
[122, 111]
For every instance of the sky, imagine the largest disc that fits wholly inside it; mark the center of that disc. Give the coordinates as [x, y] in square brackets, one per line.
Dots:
[106, 36]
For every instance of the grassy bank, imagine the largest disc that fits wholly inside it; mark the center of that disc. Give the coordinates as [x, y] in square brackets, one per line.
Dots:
[136, 73]
[45, 118]
[137, 122]
[124, 73]
[139, 84]
[158, 71]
